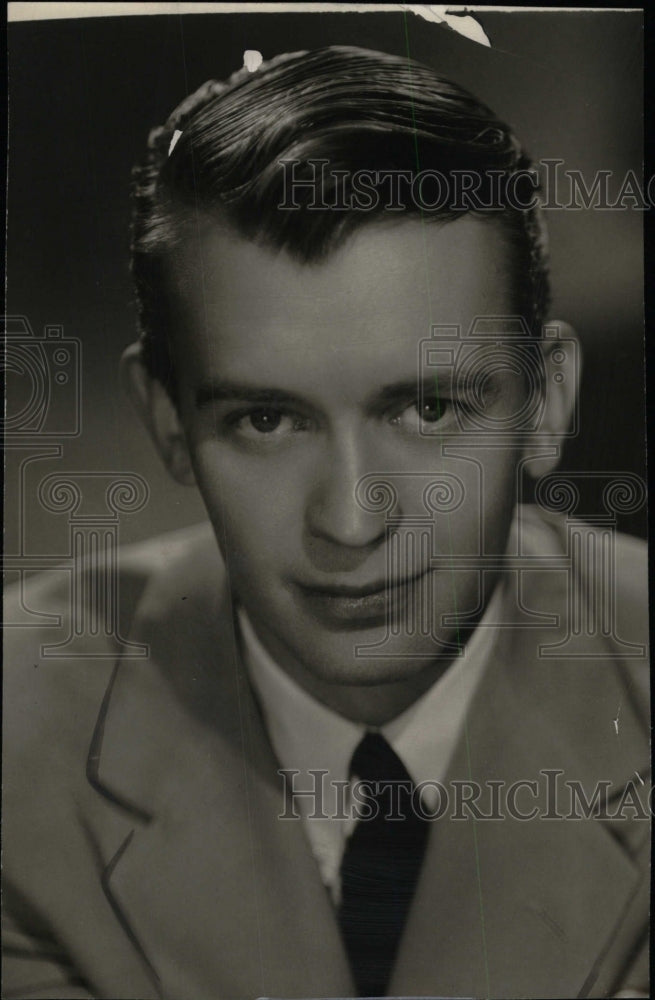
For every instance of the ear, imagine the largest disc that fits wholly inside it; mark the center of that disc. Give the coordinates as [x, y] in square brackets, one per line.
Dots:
[159, 415]
[562, 363]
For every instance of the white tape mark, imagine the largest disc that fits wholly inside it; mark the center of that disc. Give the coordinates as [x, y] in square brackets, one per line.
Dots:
[252, 60]
[616, 720]
[459, 21]
[174, 141]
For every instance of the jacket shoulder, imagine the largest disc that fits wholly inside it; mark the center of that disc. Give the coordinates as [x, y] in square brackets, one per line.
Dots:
[609, 574]
[613, 559]
[53, 688]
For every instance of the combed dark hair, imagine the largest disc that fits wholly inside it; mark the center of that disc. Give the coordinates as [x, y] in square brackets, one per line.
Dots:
[357, 109]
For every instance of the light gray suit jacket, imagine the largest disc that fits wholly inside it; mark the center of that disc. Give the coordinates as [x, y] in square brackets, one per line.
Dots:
[143, 856]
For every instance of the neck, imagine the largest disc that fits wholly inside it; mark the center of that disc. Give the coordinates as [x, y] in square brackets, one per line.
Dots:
[371, 703]
[375, 704]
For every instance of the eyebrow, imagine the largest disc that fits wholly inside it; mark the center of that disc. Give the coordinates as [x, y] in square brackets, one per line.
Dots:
[396, 391]
[220, 390]
[215, 391]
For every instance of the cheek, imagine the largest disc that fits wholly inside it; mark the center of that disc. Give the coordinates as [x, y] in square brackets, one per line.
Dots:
[254, 514]
[473, 510]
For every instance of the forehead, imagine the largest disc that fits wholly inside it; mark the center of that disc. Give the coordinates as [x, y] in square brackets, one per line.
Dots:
[373, 298]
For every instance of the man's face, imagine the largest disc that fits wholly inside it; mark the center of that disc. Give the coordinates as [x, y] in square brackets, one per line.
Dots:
[297, 381]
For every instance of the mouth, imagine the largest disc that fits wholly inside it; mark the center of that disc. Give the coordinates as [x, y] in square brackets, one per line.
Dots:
[360, 606]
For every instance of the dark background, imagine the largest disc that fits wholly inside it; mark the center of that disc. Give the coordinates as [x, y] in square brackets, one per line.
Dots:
[83, 94]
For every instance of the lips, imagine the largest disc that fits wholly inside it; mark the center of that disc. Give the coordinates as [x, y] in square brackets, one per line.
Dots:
[367, 605]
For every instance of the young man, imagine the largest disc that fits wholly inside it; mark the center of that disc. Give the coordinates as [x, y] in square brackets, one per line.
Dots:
[353, 369]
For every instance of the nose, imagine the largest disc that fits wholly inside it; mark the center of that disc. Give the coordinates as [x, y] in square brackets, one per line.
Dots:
[333, 511]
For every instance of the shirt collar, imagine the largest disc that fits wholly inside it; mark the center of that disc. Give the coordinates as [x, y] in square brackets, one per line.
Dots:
[305, 734]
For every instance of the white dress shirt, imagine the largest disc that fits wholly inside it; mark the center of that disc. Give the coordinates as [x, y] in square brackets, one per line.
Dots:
[306, 735]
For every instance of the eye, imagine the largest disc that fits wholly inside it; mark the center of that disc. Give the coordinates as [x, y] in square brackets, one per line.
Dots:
[265, 421]
[421, 415]
[431, 410]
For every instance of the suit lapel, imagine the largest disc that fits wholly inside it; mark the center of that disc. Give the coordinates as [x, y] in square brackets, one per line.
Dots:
[511, 907]
[216, 890]
[225, 899]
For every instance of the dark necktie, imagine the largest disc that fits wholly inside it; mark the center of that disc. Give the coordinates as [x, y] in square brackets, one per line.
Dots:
[380, 865]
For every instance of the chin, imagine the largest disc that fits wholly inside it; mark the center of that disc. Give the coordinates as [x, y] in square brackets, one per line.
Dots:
[368, 668]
